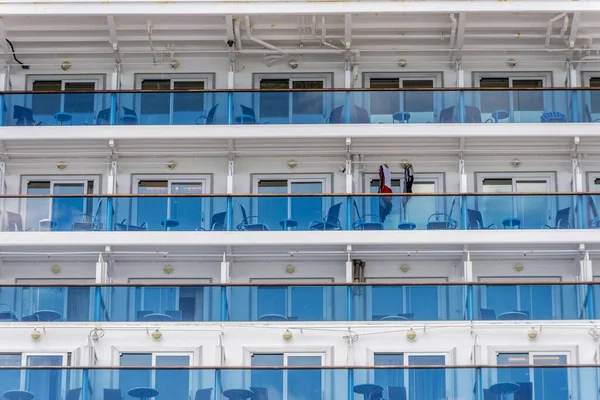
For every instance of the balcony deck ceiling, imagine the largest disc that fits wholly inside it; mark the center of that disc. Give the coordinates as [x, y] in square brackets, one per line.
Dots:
[330, 147]
[429, 33]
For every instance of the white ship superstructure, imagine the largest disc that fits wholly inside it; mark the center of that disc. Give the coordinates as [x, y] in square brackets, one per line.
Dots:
[302, 200]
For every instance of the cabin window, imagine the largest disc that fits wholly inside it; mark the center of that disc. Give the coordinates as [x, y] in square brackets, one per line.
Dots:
[42, 383]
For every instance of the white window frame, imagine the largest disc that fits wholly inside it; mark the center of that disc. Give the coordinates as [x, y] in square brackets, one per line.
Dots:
[545, 77]
[193, 381]
[591, 177]
[324, 179]
[207, 79]
[53, 180]
[65, 363]
[325, 352]
[449, 354]
[326, 78]
[442, 293]
[327, 293]
[436, 77]
[204, 179]
[556, 290]
[570, 354]
[550, 177]
[206, 294]
[98, 80]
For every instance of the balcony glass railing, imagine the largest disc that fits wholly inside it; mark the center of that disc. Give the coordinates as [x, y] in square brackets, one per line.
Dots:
[358, 106]
[328, 212]
[384, 302]
[415, 378]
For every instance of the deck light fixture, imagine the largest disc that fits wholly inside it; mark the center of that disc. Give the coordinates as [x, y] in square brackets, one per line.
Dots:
[35, 334]
[411, 334]
[287, 335]
[532, 334]
[156, 334]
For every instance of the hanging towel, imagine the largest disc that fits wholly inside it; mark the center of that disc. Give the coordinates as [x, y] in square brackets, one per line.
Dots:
[385, 186]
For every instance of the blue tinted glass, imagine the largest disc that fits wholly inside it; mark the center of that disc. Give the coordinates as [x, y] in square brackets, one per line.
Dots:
[132, 378]
[307, 303]
[10, 379]
[151, 210]
[78, 304]
[187, 211]
[391, 380]
[423, 302]
[173, 383]
[44, 384]
[65, 211]
[304, 384]
[37, 209]
[427, 383]
[306, 209]
[271, 300]
[269, 381]
[536, 300]
[551, 383]
[387, 301]
[501, 299]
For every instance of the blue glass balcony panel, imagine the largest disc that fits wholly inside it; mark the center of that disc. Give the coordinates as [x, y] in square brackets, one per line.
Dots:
[301, 302]
[300, 107]
[273, 212]
[304, 379]
[47, 303]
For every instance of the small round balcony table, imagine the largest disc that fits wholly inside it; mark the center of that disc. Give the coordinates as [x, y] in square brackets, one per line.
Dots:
[238, 394]
[63, 117]
[288, 223]
[368, 390]
[169, 223]
[143, 393]
[511, 223]
[407, 226]
[513, 315]
[18, 395]
[47, 315]
[504, 389]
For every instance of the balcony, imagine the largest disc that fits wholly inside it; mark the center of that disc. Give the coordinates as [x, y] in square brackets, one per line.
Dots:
[334, 106]
[547, 379]
[327, 212]
[373, 303]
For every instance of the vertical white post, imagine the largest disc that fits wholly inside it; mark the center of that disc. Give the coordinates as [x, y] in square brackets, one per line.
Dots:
[467, 268]
[115, 78]
[112, 178]
[349, 185]
[347, 76]
[4, 80]
[101, 270]
[462, 184]
[577, 176]
[586, 273]
[231, 75]
[225, 271]
[460, 76]
[2, 178]
[230, 173]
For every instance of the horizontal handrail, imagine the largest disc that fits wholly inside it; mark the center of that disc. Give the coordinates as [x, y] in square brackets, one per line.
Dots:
[302, 368]
[255, 90]
[298, 284]
[257, 195]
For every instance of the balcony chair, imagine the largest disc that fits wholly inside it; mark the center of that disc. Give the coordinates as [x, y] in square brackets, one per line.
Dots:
[209, 118]
[562, 220]
[89, 222]
[248, 225]
[23, 116]
[487, 314]
[73, 394]
[476, 220]
[594, 223]
[401, 117]
[103, 117]
[217, 222]
[260, 393]
[588, 115]
[124, 226]
[358, 115]
[450, 115]
[13, 222]
[397, 392]
[497, 116]
[129, 117]
[203, 394]
[6, 313]
[248, 116]
[553, 116]
[331, 222]
[112, 394]
[47, 225]
[367, 222]
[434, 222]
[176, 315]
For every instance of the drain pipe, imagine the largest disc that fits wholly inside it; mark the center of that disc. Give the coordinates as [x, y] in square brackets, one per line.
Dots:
[549, 28]
[323, 34]
[453, 31]
[258, 41]
[237, 34]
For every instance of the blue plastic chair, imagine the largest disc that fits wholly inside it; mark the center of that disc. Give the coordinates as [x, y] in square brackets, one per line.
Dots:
[553, 116]
[331, 222]
[251, 223]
